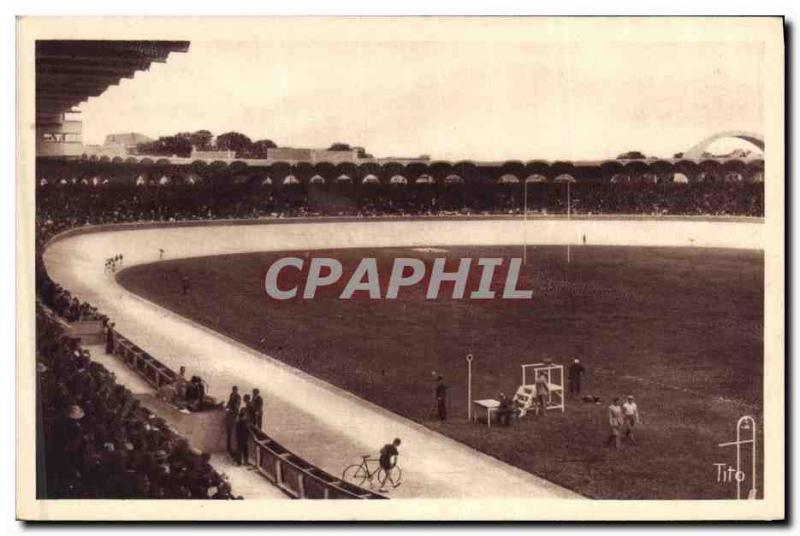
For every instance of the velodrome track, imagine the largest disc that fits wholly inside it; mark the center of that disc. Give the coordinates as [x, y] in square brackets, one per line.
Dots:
[320, 422]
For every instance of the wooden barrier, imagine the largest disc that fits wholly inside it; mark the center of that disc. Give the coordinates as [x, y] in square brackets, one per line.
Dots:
[150, 369]
[206, 431]
[88, 331]
[297, 477]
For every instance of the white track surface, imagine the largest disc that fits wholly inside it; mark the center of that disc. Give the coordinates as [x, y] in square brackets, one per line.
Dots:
[322, 423]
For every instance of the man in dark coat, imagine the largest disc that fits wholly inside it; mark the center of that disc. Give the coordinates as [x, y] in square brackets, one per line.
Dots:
[258, 409]
[232, 411]
[242, 433]
[247, 406]
[441, 398]
[576, 372]
[110, 338]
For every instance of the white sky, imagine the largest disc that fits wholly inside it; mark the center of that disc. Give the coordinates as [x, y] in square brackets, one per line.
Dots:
[454, 100]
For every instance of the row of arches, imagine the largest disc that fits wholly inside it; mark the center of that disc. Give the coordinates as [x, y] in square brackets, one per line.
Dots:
[465, 168]
[508, 173]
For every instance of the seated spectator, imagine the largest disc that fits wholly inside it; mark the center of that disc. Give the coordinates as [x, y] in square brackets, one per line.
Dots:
[506, 411]
[195, 394]
[98, 442]
[167, 392]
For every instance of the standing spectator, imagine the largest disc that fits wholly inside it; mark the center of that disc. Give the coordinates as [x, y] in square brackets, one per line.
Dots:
[258, 409]
[242, 433]
[110, 337]
[160, 254]
[248, 408]
[630, 414]
[441, 398]
[542, 393]
[232, 411]
[180, 384]
[185, 285]
[576, 371]
[614, 422]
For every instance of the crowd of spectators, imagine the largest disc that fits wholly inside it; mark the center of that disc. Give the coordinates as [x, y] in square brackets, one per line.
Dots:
[95, 439]
[72, 205]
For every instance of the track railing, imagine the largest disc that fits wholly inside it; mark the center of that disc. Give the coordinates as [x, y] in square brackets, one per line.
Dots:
[149, 368]
[295, 476]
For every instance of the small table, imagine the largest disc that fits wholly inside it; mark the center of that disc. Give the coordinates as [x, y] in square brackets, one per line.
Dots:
[490, 405]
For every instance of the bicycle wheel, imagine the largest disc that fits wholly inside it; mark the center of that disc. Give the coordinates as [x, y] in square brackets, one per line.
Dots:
[395, 476]
[355, 474]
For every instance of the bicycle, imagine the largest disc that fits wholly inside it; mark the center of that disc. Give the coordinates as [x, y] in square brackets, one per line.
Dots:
[358, 473]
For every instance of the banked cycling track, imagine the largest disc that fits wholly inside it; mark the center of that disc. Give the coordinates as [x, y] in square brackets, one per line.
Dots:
[324, 424]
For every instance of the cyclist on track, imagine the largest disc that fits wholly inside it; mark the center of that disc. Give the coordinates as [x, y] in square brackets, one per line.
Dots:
[388, 459]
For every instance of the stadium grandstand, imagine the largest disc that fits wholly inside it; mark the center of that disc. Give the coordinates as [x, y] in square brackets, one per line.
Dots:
[93, 427]
[96, 440]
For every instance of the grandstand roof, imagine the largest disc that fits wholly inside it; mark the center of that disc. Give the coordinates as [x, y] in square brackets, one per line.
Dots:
[68, 72]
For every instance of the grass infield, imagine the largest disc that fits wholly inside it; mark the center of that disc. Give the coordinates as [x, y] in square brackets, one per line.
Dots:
[681, 329]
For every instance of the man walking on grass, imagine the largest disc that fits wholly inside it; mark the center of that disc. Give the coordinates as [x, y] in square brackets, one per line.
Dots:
[614, 422]
[630, 415]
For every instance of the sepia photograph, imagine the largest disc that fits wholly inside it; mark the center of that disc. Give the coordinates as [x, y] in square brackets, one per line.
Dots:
[400, 268]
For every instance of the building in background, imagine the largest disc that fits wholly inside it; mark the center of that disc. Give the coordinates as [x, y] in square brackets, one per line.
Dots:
[68, 72]
[127, 141]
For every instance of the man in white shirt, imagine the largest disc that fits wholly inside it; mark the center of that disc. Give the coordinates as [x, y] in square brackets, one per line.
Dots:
[630, 414]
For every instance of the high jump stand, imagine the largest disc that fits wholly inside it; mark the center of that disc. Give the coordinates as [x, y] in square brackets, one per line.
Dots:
[555, 382]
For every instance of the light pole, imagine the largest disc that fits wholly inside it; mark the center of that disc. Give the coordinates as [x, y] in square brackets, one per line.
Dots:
[469, 387]
[569, 213]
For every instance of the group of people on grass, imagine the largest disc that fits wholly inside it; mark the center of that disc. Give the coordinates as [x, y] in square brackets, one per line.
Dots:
[622, 420]
[623, 416]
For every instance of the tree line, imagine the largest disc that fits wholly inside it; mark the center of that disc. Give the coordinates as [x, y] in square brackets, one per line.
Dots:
[182, 143]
